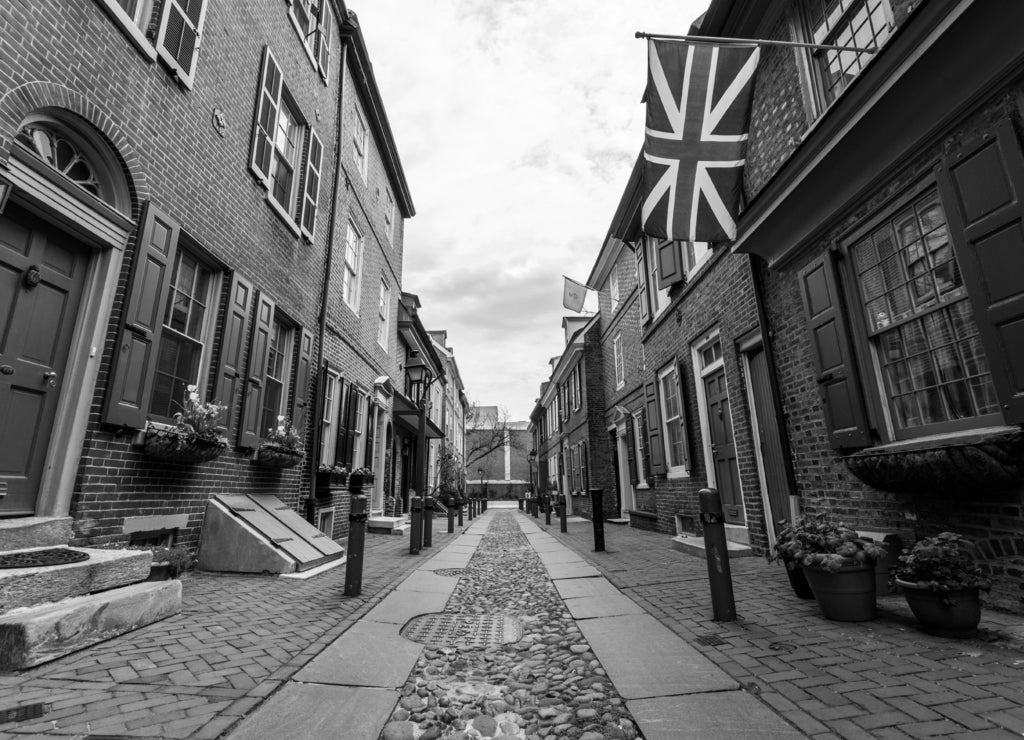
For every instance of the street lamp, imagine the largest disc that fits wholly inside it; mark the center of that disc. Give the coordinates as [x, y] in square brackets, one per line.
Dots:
[420, 380]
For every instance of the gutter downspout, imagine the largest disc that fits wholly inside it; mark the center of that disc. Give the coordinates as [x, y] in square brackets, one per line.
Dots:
[318, 405]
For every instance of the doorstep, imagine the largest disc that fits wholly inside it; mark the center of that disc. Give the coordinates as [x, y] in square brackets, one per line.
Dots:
[695, 546]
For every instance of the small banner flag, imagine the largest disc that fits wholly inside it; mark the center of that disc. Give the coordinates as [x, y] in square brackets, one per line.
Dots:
[573, 295]
[698, 119]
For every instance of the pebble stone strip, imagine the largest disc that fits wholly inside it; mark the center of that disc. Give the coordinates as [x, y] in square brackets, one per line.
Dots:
[547, 686]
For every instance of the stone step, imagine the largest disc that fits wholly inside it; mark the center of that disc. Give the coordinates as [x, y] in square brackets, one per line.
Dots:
[385, 523]
[21, 533]
[737, 533]
[695, 546]
[35, 635]
[105, 569]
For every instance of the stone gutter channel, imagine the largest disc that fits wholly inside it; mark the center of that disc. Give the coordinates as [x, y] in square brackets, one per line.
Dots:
[510, 635]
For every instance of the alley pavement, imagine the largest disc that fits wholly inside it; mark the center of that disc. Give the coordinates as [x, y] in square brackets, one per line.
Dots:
[247, 651]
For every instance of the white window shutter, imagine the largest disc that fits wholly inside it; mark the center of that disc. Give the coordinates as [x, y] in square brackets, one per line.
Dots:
[311, 194]
[177, 41]
[324, 37]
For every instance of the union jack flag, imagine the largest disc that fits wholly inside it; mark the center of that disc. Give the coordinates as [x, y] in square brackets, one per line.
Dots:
[698, 118]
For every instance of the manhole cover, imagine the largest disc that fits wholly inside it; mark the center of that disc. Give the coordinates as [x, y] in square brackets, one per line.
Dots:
[463, 630]
[38, 558]
[710, 640]
[456, 572]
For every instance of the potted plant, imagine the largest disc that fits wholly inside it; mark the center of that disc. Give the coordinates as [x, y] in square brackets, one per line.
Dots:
[281, 447]
[785, 554]
[942, 583]
[360, 477]
[839, 566]
[194, 437]
[169, 562]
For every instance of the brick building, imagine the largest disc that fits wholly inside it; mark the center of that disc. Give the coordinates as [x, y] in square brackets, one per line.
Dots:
[497, 454]
[226, 215]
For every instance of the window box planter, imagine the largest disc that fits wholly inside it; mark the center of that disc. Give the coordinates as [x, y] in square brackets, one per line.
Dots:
[162, 442]
[270, 455]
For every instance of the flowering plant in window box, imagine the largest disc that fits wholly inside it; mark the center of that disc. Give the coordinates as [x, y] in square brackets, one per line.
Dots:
[364, 476]
[328, 476]
[282, 446]
[193, 438]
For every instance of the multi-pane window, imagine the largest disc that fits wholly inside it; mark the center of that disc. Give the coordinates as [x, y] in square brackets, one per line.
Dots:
[171, 29]
[856, 23]
[920, 319]
[137, 10]
[383, 314]
[575, 387]
[613, 287]
[350, 278]
[658, 297]
[638, 440]
[329, 418]
[275, 386]
[672, 418]
[185, 334]
[315, 26]
[360, 143]
[284, 157]
[389, 215]
[620, 370]
[358, 400]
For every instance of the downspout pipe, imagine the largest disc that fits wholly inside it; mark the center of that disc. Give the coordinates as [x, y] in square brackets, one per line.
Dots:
[318, 405]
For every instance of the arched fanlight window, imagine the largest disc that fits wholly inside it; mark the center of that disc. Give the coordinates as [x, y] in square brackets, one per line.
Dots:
[69, 146]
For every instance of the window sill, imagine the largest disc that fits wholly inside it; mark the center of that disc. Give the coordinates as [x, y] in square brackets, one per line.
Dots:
[284, 215]
[677, 473]
[130, 29]
[991, 457]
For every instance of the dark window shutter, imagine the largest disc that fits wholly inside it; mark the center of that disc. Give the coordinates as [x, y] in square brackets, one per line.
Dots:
[341, 440]
[683, 425]
[268, 103]
[631, 452]
[368, 447]
[352, 408]
[249, 432]
[833, 355]
[134, 360]
[670, 264]
[324, 37]
[303, 364]
[321, 404]
[177, 42]
[641, 275]
[232, 348]
[645, 454]
[311, 195]
[655, 446]
[983, 187]
[584, 477]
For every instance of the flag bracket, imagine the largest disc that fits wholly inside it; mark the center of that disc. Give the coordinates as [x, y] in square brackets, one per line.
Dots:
[756, 42]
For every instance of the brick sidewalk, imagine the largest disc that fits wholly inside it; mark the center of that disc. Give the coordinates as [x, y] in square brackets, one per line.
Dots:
[878, 679]
[194, 675]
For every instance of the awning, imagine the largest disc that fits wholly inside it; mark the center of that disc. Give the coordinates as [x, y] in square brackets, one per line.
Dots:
[407, 415]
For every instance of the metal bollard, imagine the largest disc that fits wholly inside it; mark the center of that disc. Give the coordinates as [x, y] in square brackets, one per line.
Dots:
[428, 521]
[356, 538]
[461, 504]
[520, 504]
[597, 509]
[547, 510]
[484, 502]
[469, 506]
[563, 524]
[416, 519]
[533, 507]
[719, 574]
[451, 517]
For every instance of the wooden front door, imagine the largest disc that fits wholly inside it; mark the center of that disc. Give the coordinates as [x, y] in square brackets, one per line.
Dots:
[723, 448]
[769, 440]
[42, 273]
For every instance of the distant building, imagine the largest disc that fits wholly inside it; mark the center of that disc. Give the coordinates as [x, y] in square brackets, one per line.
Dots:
[497, 454]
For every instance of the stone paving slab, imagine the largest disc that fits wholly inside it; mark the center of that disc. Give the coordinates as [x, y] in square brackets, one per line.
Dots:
[442, 562]
[644, 659]
[560, 557]
[400, 606]
[427, 580]
[608, 605]
[370, 654]
[315, 712]
[726, 715]
[575, 588]
[572, 570]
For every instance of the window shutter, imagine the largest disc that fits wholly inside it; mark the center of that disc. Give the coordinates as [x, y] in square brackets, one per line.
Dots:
[641, 276]
[232, 349]
[655, 446]
[303, 363]
[341, 440]
[683, 426]
[631, 452]
[321, 406]
[584, 478]
[370, 433]
[324, 36]
[249, 432]
[132, 375]
[352, 408]
[645, 454]
[983, 185]
[833, 355]
[177, 41]
[268, 103]
[670, 264]
[311, 196]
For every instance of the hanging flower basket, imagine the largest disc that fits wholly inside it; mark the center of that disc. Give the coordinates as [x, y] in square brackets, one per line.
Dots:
[270, 455]
[175, 446]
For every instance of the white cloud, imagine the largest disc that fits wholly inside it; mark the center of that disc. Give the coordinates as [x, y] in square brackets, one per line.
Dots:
[517, 123]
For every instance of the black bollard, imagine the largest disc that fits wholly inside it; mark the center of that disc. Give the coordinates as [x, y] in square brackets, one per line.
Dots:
[547, 510]
[461, 504]
[533, 507]
[356, 537]
[563, 524]
[469, 507]
[428, 521]
[597, 509]
[416, 532]
[451, 516]
[719, 573]
[484, 502]
[520, 503]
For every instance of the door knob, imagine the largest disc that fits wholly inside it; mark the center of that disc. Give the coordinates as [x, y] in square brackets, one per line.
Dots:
[51, 378]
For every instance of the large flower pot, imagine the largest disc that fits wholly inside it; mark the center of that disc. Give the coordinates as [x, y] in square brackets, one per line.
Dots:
[944, 613]
[847, 595]
[798, 581]
[273, 456]
[184, 448]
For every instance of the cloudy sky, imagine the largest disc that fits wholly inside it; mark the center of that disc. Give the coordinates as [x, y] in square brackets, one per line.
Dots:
[517, 122]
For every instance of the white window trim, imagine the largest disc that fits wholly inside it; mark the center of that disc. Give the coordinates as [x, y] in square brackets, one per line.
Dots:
[353, 299]
[328, 424]
[613, 288]
[384, 319]
[702, 402]
[637, 443]
[130, 28]
[286, 371]
[320, 513]
[362, 162]
[389, 215]
[655, 294]
[671, 471]
[307, 43]
[620, 368]
[694, 264]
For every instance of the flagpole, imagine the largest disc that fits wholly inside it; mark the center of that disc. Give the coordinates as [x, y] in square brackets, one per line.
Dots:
[758, 42]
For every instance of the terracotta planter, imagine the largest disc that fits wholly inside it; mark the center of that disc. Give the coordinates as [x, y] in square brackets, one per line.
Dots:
[272, 456]
[184, 448]
[798, 581]
[944, 613]
[847, 595]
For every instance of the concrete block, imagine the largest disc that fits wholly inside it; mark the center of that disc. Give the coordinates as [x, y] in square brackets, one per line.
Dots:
[23, 533]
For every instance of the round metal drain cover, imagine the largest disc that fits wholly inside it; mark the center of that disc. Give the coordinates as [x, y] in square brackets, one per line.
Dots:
[456, 572]
[463, 630]
[40, 558]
